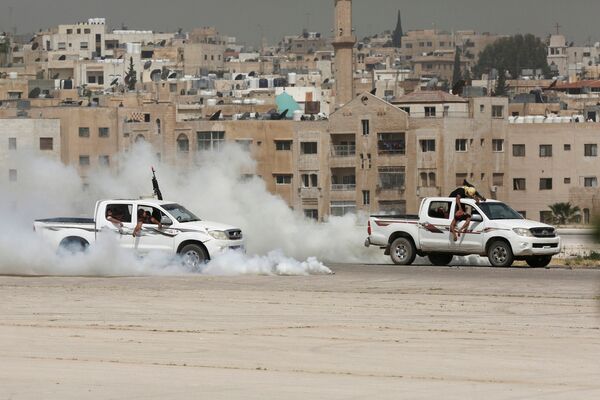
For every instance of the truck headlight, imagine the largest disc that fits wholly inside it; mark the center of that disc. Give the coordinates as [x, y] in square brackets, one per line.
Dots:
[219, 235]
[523, 232]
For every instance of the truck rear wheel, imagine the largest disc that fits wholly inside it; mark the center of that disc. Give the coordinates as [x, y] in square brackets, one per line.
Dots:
[194, 257]
[538, 261]
[73, 245]
[440, 259]
[500, 254]
[403, 251]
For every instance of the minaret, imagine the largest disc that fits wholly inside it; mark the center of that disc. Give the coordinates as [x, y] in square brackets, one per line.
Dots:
[343, 43]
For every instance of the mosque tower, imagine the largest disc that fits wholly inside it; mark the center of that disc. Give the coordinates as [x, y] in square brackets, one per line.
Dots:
[343, 43]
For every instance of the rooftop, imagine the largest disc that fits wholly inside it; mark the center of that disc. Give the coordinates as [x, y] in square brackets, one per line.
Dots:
[430, 96]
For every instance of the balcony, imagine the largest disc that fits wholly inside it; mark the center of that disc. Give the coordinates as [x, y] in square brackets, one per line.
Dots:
[343, 187]
[343, 150]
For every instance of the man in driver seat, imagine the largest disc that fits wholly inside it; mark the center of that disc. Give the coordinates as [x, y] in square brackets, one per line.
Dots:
[468, 192]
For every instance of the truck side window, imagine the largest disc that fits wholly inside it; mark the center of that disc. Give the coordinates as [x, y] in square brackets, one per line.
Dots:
[121, 212]
[439, 209]
[154, 212]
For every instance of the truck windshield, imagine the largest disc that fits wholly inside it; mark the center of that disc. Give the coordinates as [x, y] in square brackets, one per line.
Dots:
[498, 211]
[180, 213]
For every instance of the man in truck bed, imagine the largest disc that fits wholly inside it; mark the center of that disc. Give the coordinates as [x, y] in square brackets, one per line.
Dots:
[466, 191]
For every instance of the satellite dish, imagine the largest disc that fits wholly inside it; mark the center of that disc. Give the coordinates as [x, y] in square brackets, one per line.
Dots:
[114, 82]
[163, 43]
[216, 116]
[147, 64]
[172, 75]
[155, 75]
[252, 74]
[245, 116]
[55, 76]
[35, 93]
[35, 45]
[62, 58]
[165, 74]
[239, 77]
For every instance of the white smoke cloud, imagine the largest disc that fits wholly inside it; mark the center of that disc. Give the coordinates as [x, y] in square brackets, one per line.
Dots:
[276, 236]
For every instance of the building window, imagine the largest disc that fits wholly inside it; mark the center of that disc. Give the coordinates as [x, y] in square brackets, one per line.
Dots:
[366, 197]
[365, 127]
[12, 175]
[62, 46]
[429, 112]
[567, 147]
[460, 145]
[12, 143]
[567, 181]
[519, 184]
[590, 150]
[523, 214]
[497, 111]
[87, 31]
[312, 214]
[406, 110]
[391, 143]
[460, 179]
[47, 143]
[283, 179]
[498, 179]
[283, 145]
[393, 207]
[245, 144]
[497, 145]
[158, 126]
[427, 145]
[586, 216]
[308, 148]
[341, 208]
[590, 182]
[545, 150]
[518, 150]
[392, 178]
[84, 161]
[183, 143]
[103, 132]
[427, 179]
[69, 31]
[211, 141]
[83, 45]
[84, 132]
[481, 108]
[545, 183]
[104, 161]
[310, 180]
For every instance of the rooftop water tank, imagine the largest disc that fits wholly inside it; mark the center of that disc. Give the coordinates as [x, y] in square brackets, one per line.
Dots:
[211, 102]
[292, 78]
[298, 115]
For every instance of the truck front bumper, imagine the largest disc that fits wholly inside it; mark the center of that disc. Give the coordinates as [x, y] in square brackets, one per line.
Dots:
[536, 247]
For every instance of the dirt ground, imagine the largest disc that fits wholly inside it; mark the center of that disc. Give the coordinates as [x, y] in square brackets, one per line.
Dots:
[377, 332]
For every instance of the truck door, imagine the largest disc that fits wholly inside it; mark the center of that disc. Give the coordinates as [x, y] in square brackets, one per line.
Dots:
[435, 227]
[111, 218]
[151, 238]
[472, 241]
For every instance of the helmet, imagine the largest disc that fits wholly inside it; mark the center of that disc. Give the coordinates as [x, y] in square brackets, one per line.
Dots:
[470, 191]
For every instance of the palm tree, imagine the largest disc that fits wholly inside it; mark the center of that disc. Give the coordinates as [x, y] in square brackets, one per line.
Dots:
[564, 213]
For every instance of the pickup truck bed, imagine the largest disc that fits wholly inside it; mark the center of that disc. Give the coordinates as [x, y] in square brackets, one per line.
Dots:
[67, 221]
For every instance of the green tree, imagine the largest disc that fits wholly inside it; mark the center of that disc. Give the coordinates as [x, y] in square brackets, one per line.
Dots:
[513, 54]
[456, 75]
[467, 76]
[564, 213]
[501, 87]
[131, 75]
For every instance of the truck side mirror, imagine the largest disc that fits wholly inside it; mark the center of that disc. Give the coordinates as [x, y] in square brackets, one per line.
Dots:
[477, 218]
[166, 221]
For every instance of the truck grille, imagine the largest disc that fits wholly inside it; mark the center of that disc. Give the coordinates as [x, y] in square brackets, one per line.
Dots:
[234, 234]
[543, 245]
[543, 232]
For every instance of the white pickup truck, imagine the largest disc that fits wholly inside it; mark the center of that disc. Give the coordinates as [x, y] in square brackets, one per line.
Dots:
[496, 231]
[180, 231]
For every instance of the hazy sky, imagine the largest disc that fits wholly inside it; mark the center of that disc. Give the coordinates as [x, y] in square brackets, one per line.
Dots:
[246, 18]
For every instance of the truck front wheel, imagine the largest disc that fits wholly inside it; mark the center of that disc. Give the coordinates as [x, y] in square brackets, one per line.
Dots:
[194, 257]
[538, 261]
[500, 254]
[403, 251]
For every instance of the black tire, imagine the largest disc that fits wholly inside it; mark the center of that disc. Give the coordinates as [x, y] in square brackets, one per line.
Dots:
[194, 257]
[403, 251]
[500, 254]
[440, 259]
[538, 261]
[73, 245]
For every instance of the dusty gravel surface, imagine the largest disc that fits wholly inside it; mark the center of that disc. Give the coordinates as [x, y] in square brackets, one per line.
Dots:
[378, 332]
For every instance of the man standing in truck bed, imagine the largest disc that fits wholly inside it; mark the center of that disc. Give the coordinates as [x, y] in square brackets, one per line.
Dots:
[466, 191]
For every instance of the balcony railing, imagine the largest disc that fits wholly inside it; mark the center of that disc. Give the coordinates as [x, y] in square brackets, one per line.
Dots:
[343, 150]
[343, 187]
[392, 147]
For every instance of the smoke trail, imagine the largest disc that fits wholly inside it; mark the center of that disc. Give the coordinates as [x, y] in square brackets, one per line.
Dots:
[212, 189]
